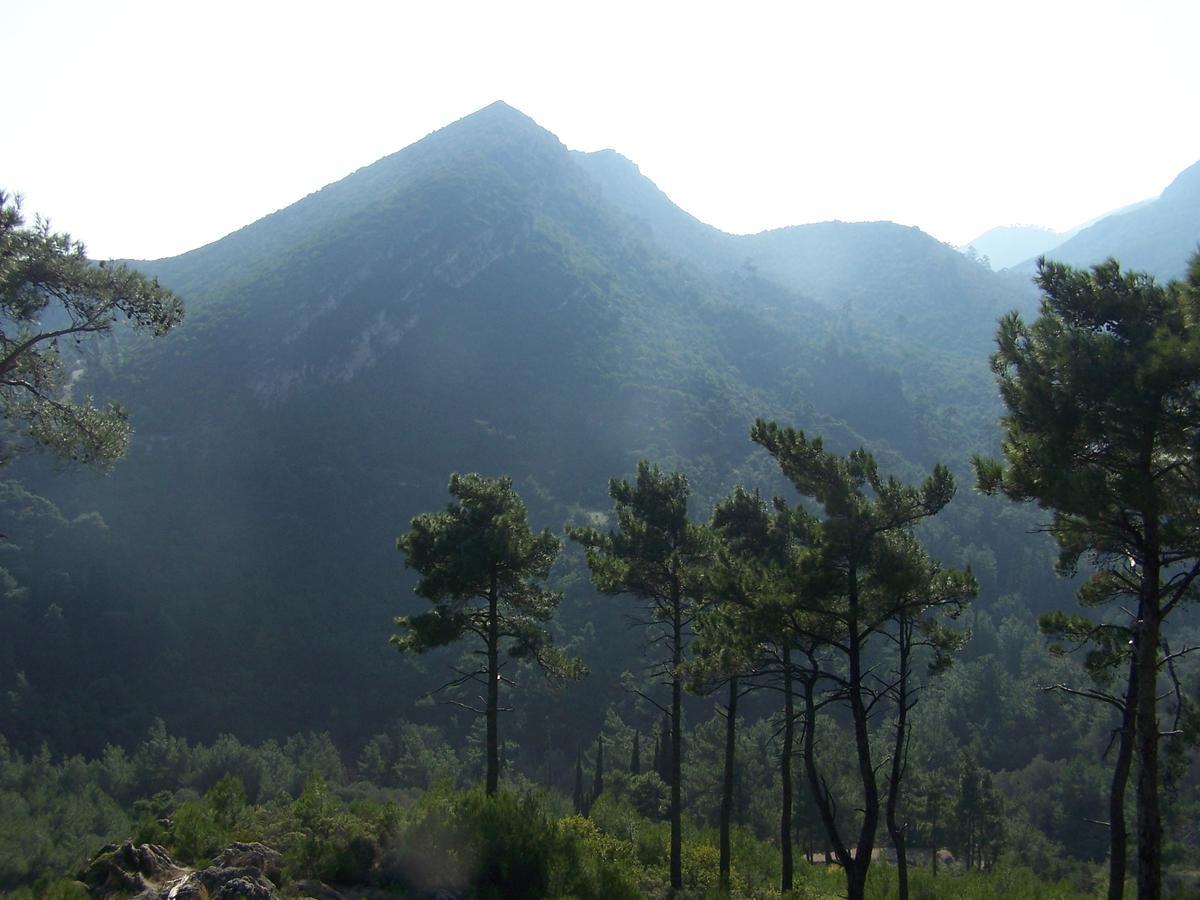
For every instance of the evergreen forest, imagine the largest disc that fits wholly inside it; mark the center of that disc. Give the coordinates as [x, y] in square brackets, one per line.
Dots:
[485, 525]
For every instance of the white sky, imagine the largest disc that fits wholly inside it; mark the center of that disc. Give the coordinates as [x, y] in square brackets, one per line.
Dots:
[147, 129]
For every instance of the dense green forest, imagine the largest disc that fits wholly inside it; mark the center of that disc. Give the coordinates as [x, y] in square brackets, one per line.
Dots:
[739, 600]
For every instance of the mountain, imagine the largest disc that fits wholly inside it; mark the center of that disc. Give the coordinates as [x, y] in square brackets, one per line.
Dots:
[484, 300]
[884, 277]
[675, 230]
[1158, 237]
[915, 310]
[1008, 245]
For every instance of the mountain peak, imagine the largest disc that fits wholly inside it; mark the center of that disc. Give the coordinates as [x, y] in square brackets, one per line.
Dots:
[499, 116]
[497, 110]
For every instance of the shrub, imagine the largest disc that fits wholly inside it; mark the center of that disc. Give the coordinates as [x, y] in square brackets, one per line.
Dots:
[196, 836]
[503, 846]
[227, 798]
[700, 864]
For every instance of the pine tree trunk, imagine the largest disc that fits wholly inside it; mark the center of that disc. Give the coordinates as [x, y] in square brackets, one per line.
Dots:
[898, 751]
[824, 808]
[856, 874]
[676, 745]
[493, 687]
[856, 879]
[1118, 834]
[579, 801]
[785, 771]
[1149, 821]
[970, 841]
[934, 809]
[727, 783]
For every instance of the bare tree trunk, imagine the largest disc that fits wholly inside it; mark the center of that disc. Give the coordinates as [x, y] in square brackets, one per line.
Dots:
[833, 838]
[676, 747]
[899, 749]
[727, 783]
[856, 873]
[785, 770]
[1149, 820]
[493, 687]
[1118, 834]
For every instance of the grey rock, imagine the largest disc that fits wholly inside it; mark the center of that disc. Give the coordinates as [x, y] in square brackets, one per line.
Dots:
[128, 869]
[222, 883]
[147, 871]
[252, 855]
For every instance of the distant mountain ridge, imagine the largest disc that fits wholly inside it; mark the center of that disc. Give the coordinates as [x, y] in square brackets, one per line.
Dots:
[1008, 245]
[850, 267]
[1158, 236]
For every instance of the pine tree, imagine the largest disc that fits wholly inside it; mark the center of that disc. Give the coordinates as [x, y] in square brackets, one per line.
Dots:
[598, 778]
[665, 755]
[921, 593]
[635, 757]
[844, 607]
[743, 640]
[1103, 431]
[658, 556]
[47, 278]
[482, 568]
[580, 798]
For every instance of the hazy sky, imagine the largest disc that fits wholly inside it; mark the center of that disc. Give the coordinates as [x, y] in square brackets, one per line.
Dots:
[150, 128]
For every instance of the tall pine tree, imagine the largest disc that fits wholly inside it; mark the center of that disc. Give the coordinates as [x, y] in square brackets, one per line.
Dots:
[483, 570]
[657, 555]
[840, 610]
[1103, 431]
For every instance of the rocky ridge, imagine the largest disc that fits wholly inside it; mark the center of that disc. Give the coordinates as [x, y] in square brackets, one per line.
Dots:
[147, 872]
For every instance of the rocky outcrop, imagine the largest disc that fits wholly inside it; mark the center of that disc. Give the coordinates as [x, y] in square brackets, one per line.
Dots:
[221, 883]
[147, 872]
[256, 855]
[123, 869]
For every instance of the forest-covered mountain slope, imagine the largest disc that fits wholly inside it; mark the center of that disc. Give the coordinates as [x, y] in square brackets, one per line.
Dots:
[888, 279]
[482, 300]
[1158, 236]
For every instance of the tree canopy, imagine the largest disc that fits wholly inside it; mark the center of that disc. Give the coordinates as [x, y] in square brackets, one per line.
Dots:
[658, 556]
[51, 292]
[868, 576]
[483, 569]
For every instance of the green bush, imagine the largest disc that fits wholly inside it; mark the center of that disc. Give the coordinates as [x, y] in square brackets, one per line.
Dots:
[195, 834]
[227, 799]
[1000, 883]
[700, 864]
[516, 843]
[592, 865]
[48, 887]
[333, 845]
[501, 847]
[497, 846]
